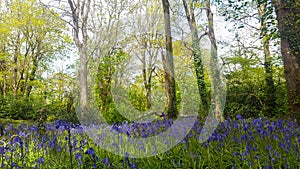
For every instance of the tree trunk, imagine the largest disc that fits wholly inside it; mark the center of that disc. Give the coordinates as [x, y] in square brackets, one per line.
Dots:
[83, 77]
[147, 77]
[215, 68]
[15, 74]
[197, 56]
[147, 83]
[3, 69]
[269, 86]
[168, 65]
[105, 73]
[32, 76]
[80, 11]
[288, 18]
[4, 85]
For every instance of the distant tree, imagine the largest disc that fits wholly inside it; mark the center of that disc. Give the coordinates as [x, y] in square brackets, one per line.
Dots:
[148, 43]
[32, 37]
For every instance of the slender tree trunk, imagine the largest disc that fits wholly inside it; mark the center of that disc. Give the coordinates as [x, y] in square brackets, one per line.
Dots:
[4, 85]
[270, 87]
[83, 78]
[288, 18]
[215, 68]
[147, 82]
[197, 56]
[147, 78]
[3, 69]
[168, 65]
[80, 11]
[32, 76]
[105, 85]
[15, 74]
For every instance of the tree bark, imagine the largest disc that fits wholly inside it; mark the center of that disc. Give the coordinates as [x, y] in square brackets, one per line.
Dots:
[15, 74]
[147, 82]
[168, 65]
[215, 68]
[3, 69]
[190, 16]
[288, 18]
[269, 86]
[80, 11]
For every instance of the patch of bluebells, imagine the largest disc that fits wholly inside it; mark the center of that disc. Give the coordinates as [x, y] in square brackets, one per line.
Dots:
[260, 143]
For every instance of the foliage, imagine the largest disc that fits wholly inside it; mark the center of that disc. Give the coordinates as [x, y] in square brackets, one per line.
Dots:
[105, 78]
[17, 108]
[246, 93]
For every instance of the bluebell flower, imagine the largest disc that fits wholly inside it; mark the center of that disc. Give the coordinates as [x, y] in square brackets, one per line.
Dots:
[40, 161]
[131, 165]
[164, 115]
[246, 127]
[249, 148]
[276, 154]
[90, 151]
[243, 137]
[273, 160]
[78, 156]
[257, 122]
[17, 140]
[52, 143]
[271, 128]
[251, 162]
[33, 128]
[105, 161]
[281, 145]
[63, 124]
[2, 150]
[15, 165]
[59, 148]
[21, 134]
[239, 117]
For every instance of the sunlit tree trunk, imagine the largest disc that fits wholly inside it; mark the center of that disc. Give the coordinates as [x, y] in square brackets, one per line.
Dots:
[288, 18]
[168, 65]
